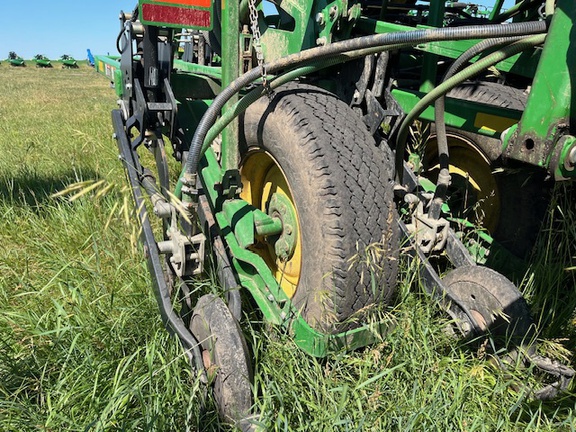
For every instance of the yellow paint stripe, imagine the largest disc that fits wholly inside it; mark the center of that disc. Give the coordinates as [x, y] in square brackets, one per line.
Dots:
[492, 123]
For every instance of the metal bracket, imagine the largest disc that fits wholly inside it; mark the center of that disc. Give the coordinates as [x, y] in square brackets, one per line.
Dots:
[564, 375]
[187, 253]
[231, 183]
[428, 233]
[330, 18]
[246, 49]
[170, 318]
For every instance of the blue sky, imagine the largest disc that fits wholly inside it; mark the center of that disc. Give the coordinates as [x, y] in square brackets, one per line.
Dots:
[56, 27]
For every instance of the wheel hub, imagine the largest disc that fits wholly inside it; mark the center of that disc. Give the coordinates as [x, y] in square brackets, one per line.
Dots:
[280, 207]
[266, 188]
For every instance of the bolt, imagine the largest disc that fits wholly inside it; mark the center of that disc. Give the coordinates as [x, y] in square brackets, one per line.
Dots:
[114, 136]
[466, 327]
[320, 18]
[283, 315]
[288, 229]
[281, 249]
[321, 41]
[270, 297]
[333, 11]
[572, 158]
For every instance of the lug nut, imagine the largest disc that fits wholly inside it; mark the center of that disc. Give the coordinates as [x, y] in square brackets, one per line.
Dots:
[572, 158]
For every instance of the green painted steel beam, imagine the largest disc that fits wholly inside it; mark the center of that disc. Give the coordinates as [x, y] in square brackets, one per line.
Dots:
[211, 71]
[230, 71]
[470, 116]
[110, 67]
[548, 114]
[299, 33]
[522, 64]
[430, 60]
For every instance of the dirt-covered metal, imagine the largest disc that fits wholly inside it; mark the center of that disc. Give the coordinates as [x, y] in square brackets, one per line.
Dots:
[296, 192]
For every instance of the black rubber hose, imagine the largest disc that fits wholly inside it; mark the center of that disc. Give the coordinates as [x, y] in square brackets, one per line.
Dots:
[439, 109]
[318, 53]
[472, 70]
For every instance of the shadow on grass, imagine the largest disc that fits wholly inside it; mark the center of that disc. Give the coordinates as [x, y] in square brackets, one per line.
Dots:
[34, 190]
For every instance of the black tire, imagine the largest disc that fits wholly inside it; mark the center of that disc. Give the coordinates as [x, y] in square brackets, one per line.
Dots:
[488, 93]
[342, 187]
[491, 93]
[521, 190]
[224, 349]
[495, 304]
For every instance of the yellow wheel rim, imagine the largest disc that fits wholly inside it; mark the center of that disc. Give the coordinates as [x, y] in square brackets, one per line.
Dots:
[473, 186]
[262, 178]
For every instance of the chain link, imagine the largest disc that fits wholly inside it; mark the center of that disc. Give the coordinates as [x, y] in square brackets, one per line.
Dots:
[253, 12]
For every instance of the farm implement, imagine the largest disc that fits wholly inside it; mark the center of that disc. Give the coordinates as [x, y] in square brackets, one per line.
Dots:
[317, 144]
[42, 61]
[68, 62]
[15, 60]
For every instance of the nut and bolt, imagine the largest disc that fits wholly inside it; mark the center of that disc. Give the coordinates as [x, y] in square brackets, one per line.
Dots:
[282, 249]
[572, 158]
[333, 11]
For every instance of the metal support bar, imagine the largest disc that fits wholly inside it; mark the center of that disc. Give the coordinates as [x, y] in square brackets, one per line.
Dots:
[430, 61]
[171, 320]
[224, 268]
[230, 71]
[550, 103]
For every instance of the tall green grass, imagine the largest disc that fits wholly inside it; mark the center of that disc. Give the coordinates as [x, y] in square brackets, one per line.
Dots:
[82, 346]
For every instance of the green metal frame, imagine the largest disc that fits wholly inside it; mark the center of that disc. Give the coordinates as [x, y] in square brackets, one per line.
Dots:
[550, 106]
[306, 24]
[237, 222]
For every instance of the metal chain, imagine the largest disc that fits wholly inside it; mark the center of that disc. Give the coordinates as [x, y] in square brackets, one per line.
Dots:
[257, 45]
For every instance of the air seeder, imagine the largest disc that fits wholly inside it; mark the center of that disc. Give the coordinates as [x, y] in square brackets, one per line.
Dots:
[42, 61]
[68, 62]
[293, 169]
[15, 60]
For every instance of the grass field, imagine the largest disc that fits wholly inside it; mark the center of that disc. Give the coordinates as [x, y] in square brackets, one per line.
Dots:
[82, 346]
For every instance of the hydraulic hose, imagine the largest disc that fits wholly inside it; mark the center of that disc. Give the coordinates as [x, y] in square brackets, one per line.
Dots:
[243, 104]
[323, 52]
[452, 82]
[251, 97]
[442, 141]
[516, 9]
